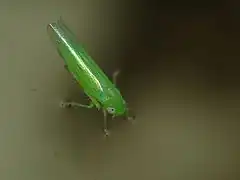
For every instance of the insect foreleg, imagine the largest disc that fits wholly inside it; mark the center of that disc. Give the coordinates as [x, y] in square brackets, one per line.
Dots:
[115, 75]
[75, 105]
[105, 123]
[130, 118]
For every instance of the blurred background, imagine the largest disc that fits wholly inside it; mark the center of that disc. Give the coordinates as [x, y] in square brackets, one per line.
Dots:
[180, 74]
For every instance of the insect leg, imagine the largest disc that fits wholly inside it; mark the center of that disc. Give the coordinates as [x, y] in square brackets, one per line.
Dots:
[115, 75]
[95, 102]
[75, 105]
[130, 118]
[105, 123]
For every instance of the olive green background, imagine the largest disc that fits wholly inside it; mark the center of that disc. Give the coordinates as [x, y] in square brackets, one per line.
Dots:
[180, 74]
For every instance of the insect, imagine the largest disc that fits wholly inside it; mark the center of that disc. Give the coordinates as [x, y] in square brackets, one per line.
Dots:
[103, 93]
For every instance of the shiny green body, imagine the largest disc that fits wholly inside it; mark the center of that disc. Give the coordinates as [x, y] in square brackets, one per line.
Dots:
[95, 84]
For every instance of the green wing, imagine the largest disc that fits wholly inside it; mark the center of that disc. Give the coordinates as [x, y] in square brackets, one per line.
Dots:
[81, 65]
[79, 48]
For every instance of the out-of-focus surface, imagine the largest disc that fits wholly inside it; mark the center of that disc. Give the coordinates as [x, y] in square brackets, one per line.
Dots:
[180, 74]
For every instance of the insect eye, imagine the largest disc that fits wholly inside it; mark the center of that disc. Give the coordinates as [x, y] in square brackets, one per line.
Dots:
[111, 110]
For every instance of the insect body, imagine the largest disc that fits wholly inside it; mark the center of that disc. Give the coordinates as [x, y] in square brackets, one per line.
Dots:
[95, 84]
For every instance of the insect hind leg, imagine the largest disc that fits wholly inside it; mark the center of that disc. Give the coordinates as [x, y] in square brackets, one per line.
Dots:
[71, 104]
